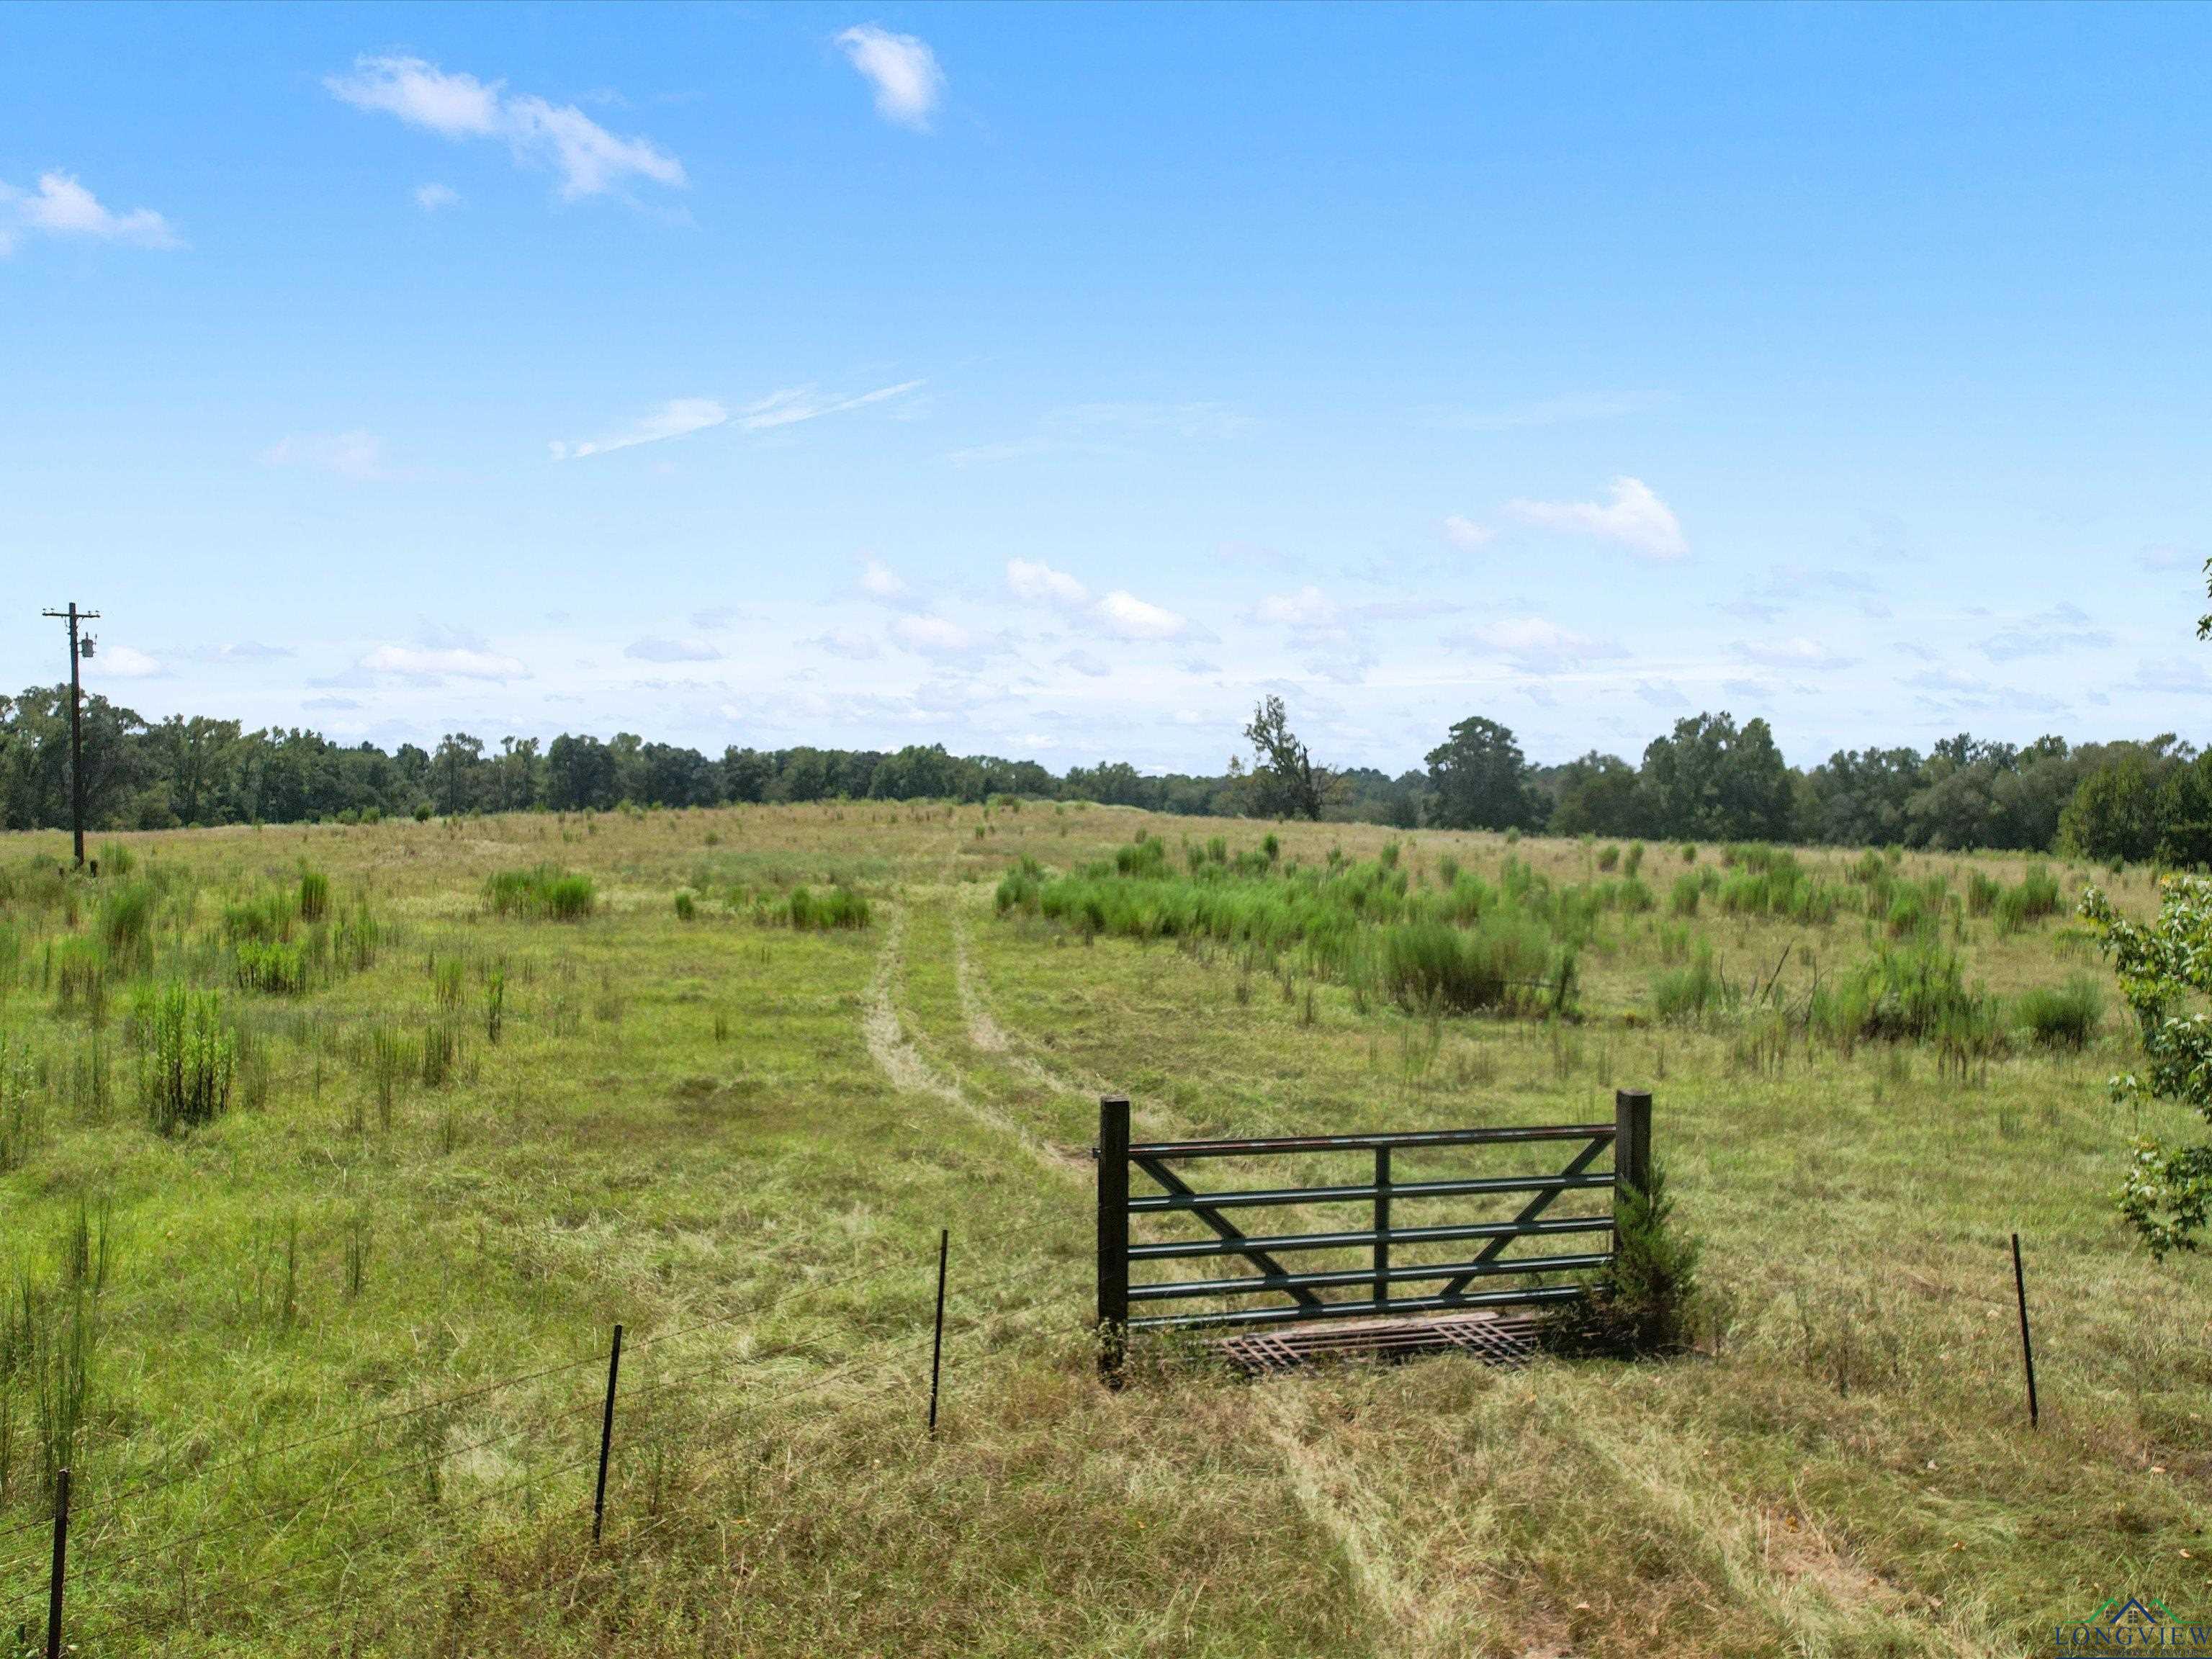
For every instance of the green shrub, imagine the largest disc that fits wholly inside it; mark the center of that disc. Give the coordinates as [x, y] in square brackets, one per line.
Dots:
[687, 908]
[314, 894]
[188, 1056]
[2062, 1016]
[1647, 1302]
[422, 811]
[1635, 860]
[1608, 858]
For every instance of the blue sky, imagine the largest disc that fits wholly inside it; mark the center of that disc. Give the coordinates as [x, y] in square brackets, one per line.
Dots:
[1056, 381]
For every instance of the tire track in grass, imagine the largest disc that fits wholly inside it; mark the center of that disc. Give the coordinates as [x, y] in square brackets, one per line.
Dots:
[899, 1060]
[987, 1036]
[1802, 1579]
[1335, 1497]
[1327, 1487]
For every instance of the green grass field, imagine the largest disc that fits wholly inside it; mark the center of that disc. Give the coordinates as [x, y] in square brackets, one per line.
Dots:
[328, 1368]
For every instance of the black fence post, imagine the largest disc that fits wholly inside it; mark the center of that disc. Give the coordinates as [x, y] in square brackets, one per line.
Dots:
[607, 1436]
[61, 1565]
[1382, 1227]
[2026, 1347]
[1631, 1144]
[937, 1342]
[1112, 1155]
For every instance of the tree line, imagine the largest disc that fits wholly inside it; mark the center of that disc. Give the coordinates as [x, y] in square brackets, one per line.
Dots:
[1708, 779]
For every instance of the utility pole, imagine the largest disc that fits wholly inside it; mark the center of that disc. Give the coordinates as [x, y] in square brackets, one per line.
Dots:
[79, 648]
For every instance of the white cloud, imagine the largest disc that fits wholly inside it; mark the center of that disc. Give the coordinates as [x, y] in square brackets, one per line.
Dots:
[934, 636]
[879, 582]
[1466, 534]
[1082, 662]
[589, 159]
[1124, 613]
[1537, 645]
[423, 95]
[1559, 411]
[1309, 607]
[431, 197]
[2052, 633]
[804, 402]
[125, 663]
[1635, 517]
[437, 662]
[902, 70]
[1798, 652]
[850, 644]
[679, 417]
[654, 649]
[1041, 584]
[243, 651]
[357, 456]
[61, 207]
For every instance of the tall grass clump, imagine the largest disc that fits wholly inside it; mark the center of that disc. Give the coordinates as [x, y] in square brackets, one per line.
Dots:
[49, 1330]
[1502, 962]
[1767, 881]
[840, 907]
[1983, 893]
[78, 968]
[1469, 945]
[1910, 994]
[314, 894]
[23, 1105]
[544, 892]
[126, 925]
[2036, 897]
[188, 1056]
[272, 967]
[1689, 888]
[2062, 1016]
[1689, 993]
[1019, 887]
[265, 918]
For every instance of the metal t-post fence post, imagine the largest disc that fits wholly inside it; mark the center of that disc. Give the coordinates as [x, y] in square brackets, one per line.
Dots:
[60, 1572]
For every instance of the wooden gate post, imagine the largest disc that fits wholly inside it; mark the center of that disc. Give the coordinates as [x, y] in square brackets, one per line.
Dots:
[1631, 1144]
[1112, 1155]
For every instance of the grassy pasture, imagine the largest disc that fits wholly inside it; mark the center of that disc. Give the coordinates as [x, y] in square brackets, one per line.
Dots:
[472, 1119]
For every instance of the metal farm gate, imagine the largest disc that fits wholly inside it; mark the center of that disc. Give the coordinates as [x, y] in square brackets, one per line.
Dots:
[1367, 1262]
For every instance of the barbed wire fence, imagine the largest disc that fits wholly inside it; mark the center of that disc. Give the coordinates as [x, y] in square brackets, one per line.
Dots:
[102, 1584]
